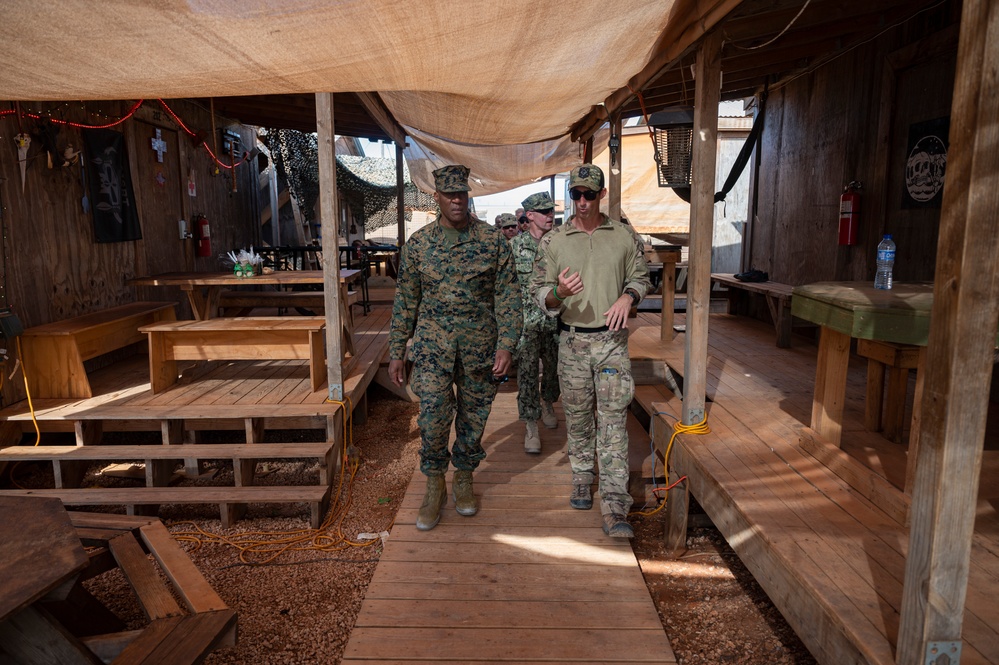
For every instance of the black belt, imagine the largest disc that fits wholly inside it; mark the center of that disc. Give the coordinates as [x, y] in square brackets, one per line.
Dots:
[580, 329]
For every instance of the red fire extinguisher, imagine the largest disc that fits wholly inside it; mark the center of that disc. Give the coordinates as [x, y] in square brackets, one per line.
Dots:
[849, 213]
[204, 236]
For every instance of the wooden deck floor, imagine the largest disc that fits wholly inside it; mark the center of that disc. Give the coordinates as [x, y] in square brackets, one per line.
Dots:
[527, 580]
[213, 395]
[813, 532]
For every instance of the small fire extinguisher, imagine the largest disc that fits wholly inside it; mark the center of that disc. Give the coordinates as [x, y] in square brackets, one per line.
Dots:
[849, 213]
[204, 236]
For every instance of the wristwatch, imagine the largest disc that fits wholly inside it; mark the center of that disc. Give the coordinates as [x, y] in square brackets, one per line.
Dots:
[635, 298]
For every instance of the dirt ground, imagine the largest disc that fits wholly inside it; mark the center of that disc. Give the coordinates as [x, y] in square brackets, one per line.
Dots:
[300, 607]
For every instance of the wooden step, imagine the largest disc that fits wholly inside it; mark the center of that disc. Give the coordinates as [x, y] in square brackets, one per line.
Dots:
[317, 496]
[178, 451]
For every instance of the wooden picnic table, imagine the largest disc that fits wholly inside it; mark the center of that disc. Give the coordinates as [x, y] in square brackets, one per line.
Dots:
[203, 289]
[39, 551]
[846, 310]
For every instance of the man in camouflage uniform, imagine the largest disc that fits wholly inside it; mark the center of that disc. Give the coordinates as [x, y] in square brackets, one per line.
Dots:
[457, 296]
[591, 271]
[539, 339]
[508, 225]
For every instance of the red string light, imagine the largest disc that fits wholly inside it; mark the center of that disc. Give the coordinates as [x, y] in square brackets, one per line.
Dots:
[180, 123]
[131, 112]
[78, 125]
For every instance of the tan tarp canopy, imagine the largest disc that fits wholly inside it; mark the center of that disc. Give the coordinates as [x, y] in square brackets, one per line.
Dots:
[457, 75]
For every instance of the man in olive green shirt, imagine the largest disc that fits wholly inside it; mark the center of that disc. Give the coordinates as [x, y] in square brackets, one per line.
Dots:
[590, 273]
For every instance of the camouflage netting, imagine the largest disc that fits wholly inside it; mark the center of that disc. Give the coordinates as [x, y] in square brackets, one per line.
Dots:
[296, 155]
[367, 184]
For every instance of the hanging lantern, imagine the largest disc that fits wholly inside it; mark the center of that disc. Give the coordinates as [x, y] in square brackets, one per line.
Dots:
[674, 139]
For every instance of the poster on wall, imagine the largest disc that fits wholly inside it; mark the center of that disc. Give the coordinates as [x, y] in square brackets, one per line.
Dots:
[111, 196]
[926, 164]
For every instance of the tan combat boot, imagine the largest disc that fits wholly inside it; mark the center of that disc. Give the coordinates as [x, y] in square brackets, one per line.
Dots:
[532, 440]
[464, 498]
[548, 415]
[430, 511]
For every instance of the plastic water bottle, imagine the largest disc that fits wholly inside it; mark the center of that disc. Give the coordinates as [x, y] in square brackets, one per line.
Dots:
[886, 259]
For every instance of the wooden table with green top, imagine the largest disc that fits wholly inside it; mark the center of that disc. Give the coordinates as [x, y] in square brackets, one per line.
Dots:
[845, 310]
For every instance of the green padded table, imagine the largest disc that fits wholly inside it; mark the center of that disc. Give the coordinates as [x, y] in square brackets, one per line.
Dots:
[856, 309]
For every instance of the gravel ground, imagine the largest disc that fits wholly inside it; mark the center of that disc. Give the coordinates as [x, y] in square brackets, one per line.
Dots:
[301, 607]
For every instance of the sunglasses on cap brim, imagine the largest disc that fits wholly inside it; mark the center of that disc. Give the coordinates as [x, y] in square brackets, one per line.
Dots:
[588, 194]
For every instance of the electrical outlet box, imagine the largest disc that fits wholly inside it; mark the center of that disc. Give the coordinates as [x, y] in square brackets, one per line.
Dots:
[10, 325]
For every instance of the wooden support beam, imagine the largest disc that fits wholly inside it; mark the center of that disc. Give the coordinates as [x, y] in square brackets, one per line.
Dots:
[702, 207]
[275, 207]
[381, 115]
[329, 217]
[400, 200]
[959, 352]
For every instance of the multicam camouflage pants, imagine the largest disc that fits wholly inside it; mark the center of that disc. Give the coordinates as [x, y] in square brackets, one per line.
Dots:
[597, 387]
[534, 345]
[456, 394]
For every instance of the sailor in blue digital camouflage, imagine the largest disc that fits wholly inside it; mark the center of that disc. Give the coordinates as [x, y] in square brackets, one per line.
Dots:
[590, 272]
[539, 339]
[458, 297]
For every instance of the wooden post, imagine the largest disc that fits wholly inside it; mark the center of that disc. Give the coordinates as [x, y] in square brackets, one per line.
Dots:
[959, 353]
[400, 197]
[330, 217]
[272, 189]
[614, 177]
[702, 206]
[588, 151]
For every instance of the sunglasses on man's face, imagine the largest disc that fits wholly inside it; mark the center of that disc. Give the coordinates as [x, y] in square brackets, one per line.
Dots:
[588, 194]
[545, 212]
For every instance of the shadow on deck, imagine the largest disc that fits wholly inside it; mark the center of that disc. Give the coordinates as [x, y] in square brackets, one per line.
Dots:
[527, 579]
[822, 528]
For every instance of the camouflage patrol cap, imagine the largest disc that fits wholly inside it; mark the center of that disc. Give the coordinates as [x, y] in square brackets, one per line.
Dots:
[507, 220]
[539, 201]
[452, 178]
[588, 176]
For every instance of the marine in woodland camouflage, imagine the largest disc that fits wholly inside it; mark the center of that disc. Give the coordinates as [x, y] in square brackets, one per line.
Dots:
[451, 179]
[539, 339]
[539, 201]
[460, 303]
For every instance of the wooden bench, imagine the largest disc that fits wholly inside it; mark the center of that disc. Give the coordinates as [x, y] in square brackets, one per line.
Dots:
[53, 353]
[252, 338]
[778, 297]
[69, 464]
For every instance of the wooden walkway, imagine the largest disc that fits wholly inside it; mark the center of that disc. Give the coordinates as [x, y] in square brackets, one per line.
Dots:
[526, 580]
[820, 527]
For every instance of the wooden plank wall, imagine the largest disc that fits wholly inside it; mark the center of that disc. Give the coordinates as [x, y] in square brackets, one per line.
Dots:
[53, 269]
[846, 121]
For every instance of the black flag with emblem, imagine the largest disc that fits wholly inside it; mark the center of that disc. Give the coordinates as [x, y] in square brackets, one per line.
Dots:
[110, 183]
